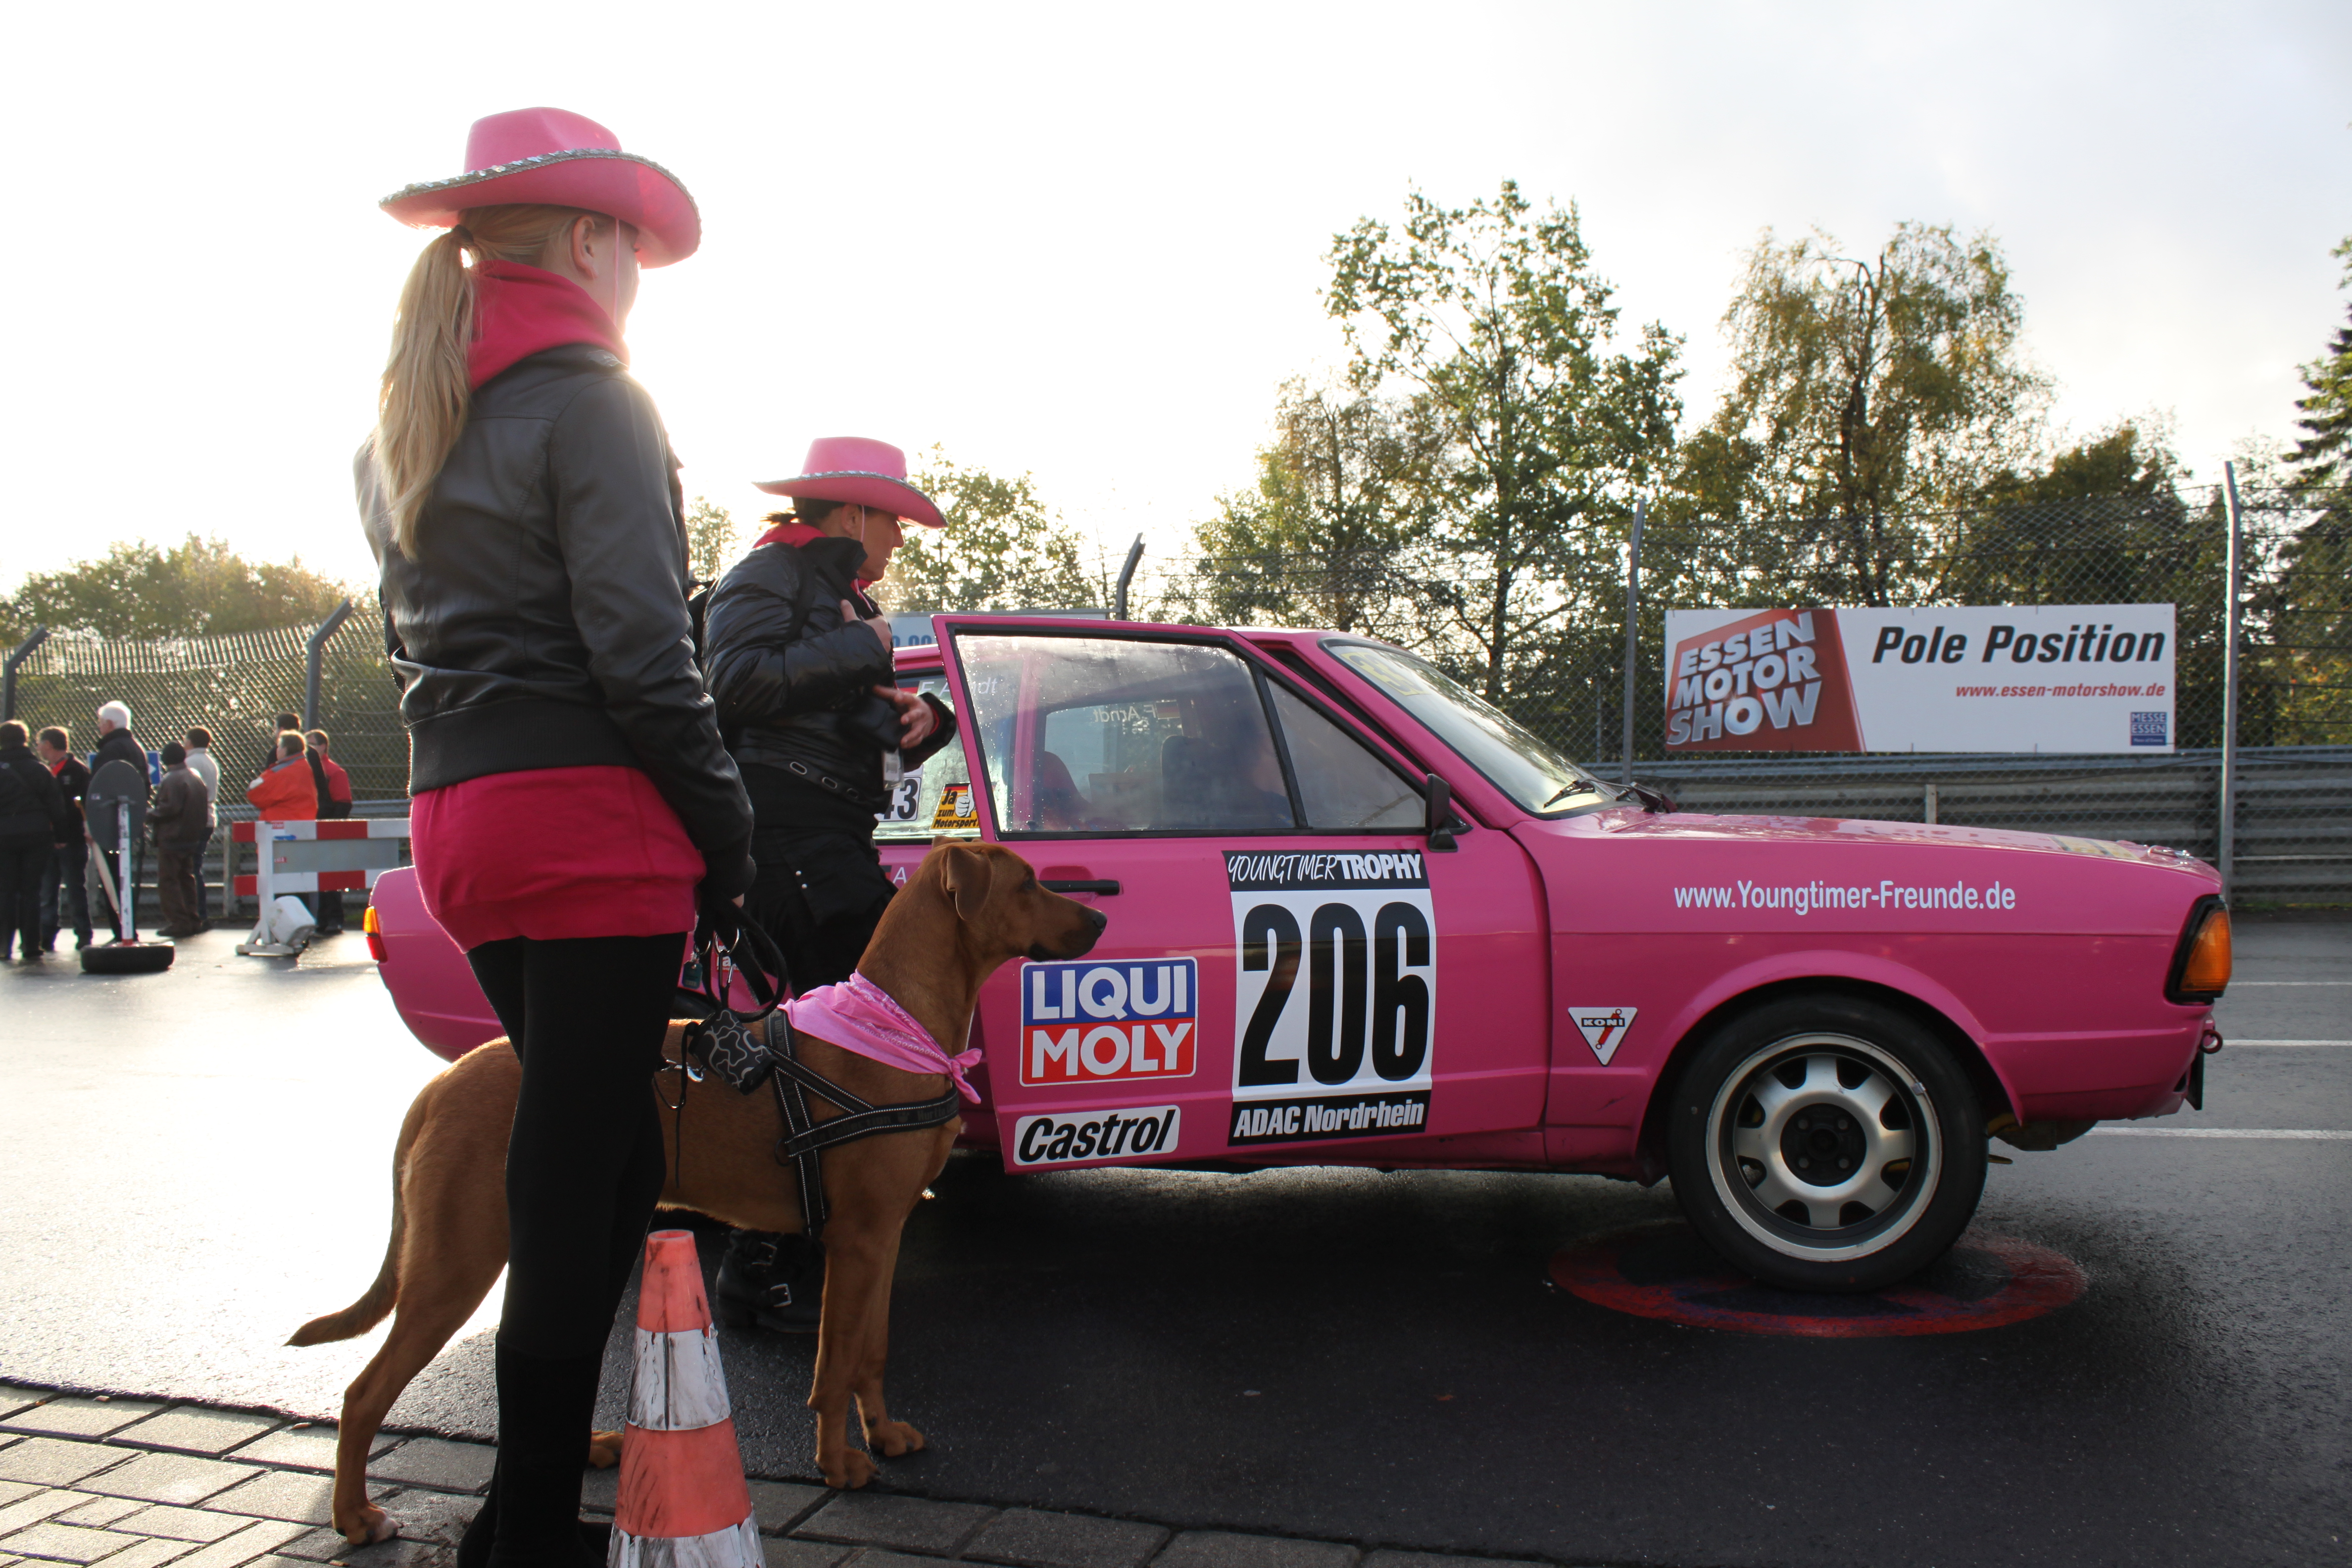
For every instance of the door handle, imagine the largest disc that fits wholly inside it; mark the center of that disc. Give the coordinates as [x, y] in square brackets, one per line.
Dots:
[1058, 885]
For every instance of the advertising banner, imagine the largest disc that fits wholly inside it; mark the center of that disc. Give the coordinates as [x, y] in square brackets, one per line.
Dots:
[2043, 677]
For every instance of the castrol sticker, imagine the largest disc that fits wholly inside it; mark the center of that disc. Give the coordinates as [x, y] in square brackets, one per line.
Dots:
[1096, 1023]
[1129, 1132]
[1604, 1028]
[1335, 993]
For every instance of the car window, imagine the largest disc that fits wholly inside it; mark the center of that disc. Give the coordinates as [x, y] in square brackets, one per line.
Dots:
[1341, 784]
[935, 799]
[1109, 735]
[1511, 757]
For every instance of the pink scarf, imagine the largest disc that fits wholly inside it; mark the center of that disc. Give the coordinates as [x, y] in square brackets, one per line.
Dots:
[859, 1015]
[521, 311]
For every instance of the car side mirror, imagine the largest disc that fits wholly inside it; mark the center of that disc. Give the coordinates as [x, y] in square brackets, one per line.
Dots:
[1440, 822]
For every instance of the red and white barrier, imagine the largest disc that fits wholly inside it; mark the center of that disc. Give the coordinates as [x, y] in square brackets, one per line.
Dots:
[342, 855]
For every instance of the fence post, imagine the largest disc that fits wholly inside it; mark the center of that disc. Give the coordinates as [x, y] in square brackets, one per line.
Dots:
[8, 671]
[2226, 849]
[1633, 634]
[1127, 575]
[315, 657]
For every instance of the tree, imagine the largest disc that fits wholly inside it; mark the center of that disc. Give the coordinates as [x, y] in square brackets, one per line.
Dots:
[1493, 319]
[2309, 607]
[1323, 538]
[2324, 456]
[1868, 392]
[199, 587]
[1000, 551]
[710, 540]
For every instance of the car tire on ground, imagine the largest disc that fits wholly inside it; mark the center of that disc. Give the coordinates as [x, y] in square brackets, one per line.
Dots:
[1826, 1143]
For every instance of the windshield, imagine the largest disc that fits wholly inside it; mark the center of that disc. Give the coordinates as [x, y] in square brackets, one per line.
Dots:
[1513, 760]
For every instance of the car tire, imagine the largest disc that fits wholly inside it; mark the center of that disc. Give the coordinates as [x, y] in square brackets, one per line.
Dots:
[1826, 1143]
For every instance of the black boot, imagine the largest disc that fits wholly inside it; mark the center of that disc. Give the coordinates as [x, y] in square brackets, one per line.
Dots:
[532, 1512]
[771, 1281]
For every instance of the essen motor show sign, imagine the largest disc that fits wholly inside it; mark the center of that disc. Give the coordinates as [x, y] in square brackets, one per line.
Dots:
[2045, 678]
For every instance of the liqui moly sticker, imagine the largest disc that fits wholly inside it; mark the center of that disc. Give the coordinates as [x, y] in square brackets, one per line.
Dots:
[1136, 1133]
[1091, 1022]
[1604, 1028]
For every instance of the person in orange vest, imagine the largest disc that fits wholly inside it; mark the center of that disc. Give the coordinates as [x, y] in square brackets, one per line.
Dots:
[284, 792]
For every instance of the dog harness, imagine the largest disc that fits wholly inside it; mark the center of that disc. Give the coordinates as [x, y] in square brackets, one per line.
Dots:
[748, 1052]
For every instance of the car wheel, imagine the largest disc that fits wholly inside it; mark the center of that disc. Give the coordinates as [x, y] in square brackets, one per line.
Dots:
[1826, 1143]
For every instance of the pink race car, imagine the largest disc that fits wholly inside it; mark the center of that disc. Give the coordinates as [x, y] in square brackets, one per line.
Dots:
[1360, 917]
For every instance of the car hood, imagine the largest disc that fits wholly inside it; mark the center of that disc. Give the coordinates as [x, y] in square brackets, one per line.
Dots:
[1847, 830]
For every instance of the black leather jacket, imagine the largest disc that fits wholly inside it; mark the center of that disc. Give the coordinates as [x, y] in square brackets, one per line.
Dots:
[794, 681]
[544, 624]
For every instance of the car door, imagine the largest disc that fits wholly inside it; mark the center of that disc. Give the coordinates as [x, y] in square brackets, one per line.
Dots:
[1273, 983]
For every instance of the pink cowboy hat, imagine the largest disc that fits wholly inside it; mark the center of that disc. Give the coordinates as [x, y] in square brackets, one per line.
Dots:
[553, 157]
[862, 473]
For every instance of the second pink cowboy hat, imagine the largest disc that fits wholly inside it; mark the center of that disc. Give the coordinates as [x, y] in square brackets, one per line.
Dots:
[859, 472]
[557, 158]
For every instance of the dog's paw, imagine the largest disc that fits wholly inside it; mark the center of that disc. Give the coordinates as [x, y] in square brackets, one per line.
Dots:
[848, 1471]
[893, 1439]
[604, 1450]
[372, 1526]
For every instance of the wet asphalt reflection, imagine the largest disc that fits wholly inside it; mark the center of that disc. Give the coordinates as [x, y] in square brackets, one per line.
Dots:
[198, 1163]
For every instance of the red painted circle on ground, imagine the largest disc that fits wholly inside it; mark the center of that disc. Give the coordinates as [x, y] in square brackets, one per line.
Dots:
[1662, 1270]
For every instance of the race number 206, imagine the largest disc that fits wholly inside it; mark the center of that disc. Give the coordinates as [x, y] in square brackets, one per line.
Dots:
[1335, 975]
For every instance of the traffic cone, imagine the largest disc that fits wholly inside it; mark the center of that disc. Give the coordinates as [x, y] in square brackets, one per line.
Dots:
[683, 1502]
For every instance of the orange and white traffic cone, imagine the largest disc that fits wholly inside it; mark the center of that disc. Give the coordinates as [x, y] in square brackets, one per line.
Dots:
[683, 1502]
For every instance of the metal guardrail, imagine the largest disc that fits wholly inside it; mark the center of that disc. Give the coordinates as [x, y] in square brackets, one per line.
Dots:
[2294, 814]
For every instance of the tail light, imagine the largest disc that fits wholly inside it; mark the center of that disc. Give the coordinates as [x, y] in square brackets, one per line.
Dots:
[374, 934]
[2200, 965]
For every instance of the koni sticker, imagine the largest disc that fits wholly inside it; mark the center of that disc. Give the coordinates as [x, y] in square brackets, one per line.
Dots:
[1093, 1023]
[1335, 990]
[1604, 1028]
[1140, 1132]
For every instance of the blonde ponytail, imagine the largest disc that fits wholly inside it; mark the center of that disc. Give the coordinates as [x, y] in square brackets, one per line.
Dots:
[422, 407]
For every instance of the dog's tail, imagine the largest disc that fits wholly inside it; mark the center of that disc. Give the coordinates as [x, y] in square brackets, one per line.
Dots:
[370, 1308]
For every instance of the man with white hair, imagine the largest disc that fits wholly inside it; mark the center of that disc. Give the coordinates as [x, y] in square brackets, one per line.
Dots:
[115, 744]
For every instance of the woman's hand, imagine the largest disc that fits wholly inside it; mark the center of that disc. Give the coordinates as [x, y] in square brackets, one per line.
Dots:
[916, 719]
[879, 624]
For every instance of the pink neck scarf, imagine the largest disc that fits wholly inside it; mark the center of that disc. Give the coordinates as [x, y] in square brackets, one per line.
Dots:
[859, 1015]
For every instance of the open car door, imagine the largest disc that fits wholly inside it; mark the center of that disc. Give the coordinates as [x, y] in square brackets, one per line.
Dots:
[1287, 960]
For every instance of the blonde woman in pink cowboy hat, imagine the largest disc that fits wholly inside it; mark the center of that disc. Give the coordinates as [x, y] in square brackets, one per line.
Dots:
[572, 797]
[800, 663]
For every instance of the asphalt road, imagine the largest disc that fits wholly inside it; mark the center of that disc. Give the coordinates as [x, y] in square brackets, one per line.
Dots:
[198, 1162]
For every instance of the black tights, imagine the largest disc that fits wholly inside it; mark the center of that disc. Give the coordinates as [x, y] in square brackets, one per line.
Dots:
[584, 1171]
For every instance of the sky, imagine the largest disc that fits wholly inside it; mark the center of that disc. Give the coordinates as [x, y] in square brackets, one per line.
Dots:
[1088, 242]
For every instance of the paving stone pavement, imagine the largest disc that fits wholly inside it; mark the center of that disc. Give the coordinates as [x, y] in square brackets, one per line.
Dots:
[102, 1482]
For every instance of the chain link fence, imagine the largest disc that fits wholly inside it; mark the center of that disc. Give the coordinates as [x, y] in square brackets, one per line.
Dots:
[1561, 671]
[233, 686]
[1562, 668]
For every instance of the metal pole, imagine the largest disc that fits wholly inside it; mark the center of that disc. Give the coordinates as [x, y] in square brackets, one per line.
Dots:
[1632, 632]
[8, 671]
[2226, 851]
[317, 653]
[1127, 575]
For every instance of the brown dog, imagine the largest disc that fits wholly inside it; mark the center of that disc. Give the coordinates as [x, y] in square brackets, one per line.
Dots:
[967, 909]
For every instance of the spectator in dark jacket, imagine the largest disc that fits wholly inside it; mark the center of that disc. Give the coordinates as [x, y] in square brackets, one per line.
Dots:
[199, 741]
[177, 821]
[801, 668]
[70, 862]
[33, 812]
[115, 744]
[334, 800]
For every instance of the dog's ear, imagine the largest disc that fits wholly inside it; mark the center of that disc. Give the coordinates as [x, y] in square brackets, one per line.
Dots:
[968, 877]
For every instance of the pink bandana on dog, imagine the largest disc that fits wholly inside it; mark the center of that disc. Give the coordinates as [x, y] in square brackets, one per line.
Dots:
[859, 1015]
